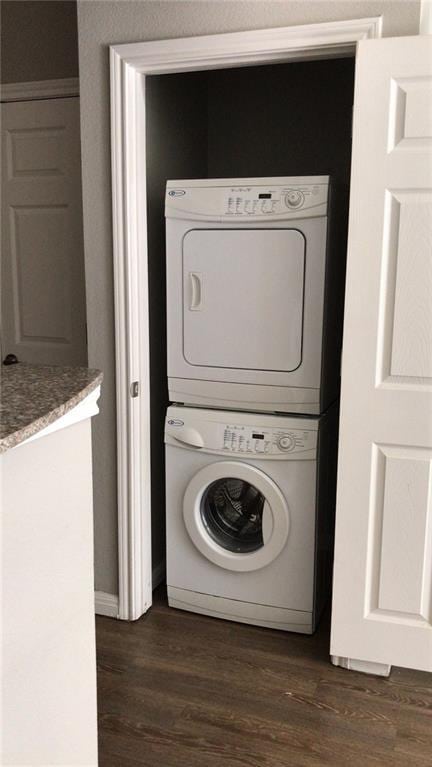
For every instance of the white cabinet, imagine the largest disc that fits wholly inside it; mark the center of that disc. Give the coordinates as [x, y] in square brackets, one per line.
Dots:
[48, 632]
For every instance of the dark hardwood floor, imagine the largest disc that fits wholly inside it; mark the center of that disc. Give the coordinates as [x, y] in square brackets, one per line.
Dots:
[182, 690]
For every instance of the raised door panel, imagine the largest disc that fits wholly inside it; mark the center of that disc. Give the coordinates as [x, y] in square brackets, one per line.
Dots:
[410, 116]
[411, 355]
[43, 293]
[399, 573]
[33, 152]
[41, 285]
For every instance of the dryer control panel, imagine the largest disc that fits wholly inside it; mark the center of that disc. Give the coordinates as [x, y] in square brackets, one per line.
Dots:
[267, 201]
[276, 199]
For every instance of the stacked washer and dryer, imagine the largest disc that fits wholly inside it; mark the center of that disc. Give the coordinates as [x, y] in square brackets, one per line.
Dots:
[254, 328]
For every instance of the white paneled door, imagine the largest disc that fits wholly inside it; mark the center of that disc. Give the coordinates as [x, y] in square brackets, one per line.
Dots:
[43, 291]
[382, 605]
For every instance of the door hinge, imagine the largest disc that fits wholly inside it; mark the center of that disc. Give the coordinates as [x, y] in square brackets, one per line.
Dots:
[134, 389]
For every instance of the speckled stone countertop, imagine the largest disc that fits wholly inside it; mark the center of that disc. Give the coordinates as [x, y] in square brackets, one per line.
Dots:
[34, 396]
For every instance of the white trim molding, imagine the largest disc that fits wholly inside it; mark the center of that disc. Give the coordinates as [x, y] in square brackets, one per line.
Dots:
[40, 89]
[235, 49]
[425, 27]
[106, 604]
[130, 63]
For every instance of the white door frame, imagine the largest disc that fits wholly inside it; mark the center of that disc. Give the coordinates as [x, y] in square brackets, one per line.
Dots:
[130, 63]
[65, 87]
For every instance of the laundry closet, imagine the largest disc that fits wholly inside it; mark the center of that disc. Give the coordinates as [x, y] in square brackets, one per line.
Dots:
[284, 120]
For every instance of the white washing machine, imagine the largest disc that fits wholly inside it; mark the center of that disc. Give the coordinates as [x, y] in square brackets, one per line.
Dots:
[252, 312]
[250, 503]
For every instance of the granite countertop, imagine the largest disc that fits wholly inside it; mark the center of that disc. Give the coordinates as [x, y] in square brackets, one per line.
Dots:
[34, 396]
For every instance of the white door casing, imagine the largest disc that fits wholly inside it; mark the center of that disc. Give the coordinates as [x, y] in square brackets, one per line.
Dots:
[382, 598]
[130, 64]
[43, 289]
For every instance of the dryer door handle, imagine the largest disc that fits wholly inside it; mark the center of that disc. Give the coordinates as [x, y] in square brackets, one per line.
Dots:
[188, 436]
[196, 291]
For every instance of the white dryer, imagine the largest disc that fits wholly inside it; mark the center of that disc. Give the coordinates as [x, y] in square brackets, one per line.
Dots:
[250, 315]
[250, 501]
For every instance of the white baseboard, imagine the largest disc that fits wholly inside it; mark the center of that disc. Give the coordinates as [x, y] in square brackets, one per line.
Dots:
[158, 574]
[106, 604]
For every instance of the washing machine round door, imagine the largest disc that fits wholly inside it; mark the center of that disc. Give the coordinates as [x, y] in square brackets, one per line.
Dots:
[236, 516]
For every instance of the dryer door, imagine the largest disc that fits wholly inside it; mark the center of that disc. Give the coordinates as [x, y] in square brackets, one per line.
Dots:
[243, 298]
[236, 516]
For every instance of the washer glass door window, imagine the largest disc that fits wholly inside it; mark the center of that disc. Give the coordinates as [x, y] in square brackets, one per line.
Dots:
[232, 512]
[236, 515]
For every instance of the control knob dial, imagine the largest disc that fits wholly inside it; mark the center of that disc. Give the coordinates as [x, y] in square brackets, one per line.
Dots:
[294, 198]
[286, 442]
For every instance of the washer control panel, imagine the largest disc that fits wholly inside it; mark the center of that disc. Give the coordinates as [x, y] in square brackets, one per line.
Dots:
[266, 441]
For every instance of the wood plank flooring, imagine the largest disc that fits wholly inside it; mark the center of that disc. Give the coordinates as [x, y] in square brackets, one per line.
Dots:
[182, 690]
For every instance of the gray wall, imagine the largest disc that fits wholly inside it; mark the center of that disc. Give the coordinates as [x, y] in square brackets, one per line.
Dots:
[281, 120]
[39, 40]
[105, 22]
